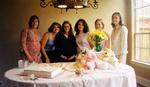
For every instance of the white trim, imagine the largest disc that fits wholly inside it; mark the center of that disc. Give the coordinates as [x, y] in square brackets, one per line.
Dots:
[142, 64]
[143, 81]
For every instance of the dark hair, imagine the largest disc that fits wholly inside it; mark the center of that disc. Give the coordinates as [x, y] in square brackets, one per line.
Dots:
[118, 14]
[51, 28]
[32, 18]
[86, 28]
[70, 31]
[100, 21]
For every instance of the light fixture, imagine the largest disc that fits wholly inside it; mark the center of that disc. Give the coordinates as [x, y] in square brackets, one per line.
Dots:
[69, 4]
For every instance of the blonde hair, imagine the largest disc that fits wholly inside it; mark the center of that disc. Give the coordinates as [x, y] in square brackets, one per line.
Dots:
[100, 21]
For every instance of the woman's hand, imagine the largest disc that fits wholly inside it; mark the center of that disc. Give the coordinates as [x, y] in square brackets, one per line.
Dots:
[47, 60]
[64, 57]
[30, 59]
[72, 57]
[120, 58]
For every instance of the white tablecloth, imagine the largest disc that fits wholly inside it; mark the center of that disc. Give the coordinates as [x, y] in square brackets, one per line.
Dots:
[124, 76]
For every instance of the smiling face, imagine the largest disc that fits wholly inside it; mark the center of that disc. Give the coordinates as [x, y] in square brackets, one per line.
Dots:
[115, 19]
[66, 27]
[56, 29]
[99, 25]
[35, 23]
[80, 26]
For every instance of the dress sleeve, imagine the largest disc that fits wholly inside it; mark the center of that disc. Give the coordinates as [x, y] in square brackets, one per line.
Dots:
[124, 40]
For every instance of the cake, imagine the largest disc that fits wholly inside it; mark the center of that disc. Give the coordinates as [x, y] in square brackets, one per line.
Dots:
[43, 70]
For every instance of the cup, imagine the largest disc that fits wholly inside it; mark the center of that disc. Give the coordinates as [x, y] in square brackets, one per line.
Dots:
[26, 63]
[20, 64]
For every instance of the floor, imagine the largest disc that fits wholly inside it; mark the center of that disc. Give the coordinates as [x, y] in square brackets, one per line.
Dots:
[139, 85]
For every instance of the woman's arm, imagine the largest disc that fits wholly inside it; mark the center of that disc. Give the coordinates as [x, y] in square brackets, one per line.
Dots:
[43, 43]
[24, 34]
[107, 42]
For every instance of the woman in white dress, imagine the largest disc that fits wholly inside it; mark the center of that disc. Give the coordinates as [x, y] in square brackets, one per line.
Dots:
[82, 31]
[119, 38]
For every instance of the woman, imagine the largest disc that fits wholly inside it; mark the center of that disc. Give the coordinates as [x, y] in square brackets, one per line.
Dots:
[99, 26]
[82, 29]
[66, 46]
[30, 40]
[47, 43]
[119, 38]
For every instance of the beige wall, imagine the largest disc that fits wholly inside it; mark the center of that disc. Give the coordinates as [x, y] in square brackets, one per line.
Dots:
[14, 16]
[20, 11]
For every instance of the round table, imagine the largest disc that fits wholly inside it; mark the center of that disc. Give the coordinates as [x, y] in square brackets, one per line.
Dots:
[123, 76]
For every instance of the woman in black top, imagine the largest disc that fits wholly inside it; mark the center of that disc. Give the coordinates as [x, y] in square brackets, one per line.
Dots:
[65, 43]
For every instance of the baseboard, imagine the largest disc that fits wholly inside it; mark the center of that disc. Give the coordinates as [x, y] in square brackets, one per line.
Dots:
[143, 81]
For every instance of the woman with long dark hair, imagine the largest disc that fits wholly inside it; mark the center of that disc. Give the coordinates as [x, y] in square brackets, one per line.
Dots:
[66, 47]
[82, 32]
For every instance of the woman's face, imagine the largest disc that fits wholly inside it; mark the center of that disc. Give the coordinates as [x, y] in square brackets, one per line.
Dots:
[80, 26]
[66, 27]
[56, 29]
[98, 25]
[115, 19]
[35, 23]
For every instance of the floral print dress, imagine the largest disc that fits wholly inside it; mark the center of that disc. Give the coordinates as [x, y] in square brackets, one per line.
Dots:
[31, 44]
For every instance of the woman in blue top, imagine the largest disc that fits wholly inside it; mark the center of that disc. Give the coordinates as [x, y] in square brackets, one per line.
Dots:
[47, 43]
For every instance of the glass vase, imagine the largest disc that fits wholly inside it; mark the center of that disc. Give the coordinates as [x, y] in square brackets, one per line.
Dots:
[98, 47]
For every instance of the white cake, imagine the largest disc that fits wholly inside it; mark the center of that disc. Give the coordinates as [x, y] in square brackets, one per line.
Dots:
[43, 70]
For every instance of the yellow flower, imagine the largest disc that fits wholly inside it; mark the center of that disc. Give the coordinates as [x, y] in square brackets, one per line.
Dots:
[97, 37]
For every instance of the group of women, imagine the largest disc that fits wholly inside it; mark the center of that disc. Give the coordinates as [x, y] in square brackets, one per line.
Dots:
[60, 44]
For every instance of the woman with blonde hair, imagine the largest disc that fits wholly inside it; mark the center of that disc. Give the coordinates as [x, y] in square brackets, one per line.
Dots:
[99, 39]
[99, 27]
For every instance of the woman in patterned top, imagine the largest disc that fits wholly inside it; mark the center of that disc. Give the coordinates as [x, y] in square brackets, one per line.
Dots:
[30, 40]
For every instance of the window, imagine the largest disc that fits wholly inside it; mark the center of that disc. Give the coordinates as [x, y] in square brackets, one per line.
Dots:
[142, 31]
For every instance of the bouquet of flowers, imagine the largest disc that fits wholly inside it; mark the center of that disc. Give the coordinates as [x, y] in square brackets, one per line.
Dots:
[96, 38]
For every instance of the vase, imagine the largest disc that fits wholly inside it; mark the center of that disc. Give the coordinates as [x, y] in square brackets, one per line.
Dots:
[98, 47]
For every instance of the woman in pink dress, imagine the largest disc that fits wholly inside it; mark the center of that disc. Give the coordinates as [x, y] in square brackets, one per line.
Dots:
[30, 41]
[82, 31]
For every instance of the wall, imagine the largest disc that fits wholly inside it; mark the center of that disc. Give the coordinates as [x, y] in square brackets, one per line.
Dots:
[14, 16]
